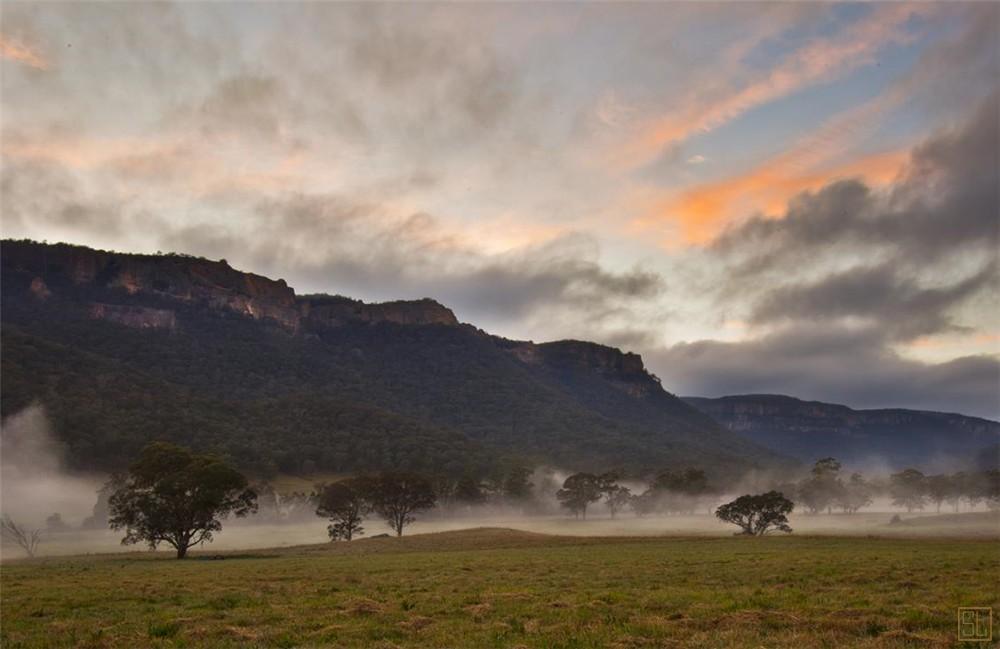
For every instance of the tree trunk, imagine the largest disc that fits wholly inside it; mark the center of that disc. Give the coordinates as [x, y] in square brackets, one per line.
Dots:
[182, 551]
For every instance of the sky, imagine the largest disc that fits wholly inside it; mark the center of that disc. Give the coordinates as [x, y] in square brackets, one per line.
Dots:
[796, 198]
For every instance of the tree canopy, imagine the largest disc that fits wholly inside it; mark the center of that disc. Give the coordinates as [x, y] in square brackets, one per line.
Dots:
[175, 496]
[758, 515]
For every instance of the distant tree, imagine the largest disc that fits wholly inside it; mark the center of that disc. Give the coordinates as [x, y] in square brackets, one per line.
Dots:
[644, 503]
[955, 484]
[345, 505]
[679, 491]
[758, 515]
[857, 493]
[99, 514]
[617, 498]
[517, 484]
[973, 489]
[55, 523]
[469, 491]
[991, 482]
[824, 488]
[578, 491]
[908, 489]
[172, 495]
[938, 487]
[27, 539]
[397, 496]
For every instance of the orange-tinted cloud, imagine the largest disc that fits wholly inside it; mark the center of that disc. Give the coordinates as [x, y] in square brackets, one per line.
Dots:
[703, 211]
[15, 50]
[821, 60]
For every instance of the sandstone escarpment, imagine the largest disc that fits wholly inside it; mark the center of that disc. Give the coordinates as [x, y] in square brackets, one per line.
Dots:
[204, 282]
[333, 311]
[137, 317]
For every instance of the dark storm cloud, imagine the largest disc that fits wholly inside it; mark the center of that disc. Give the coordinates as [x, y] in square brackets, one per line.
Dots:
[831, 364]
[945, 204]
[902, 307]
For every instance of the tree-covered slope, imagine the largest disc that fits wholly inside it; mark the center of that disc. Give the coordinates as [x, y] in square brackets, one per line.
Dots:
[125, 348]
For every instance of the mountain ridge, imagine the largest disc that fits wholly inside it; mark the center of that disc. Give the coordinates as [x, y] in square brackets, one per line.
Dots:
[809, 429]
[201, 327]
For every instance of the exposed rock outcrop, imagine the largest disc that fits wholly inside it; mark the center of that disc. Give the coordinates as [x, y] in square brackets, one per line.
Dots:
[137, 317]
[333, 310]
[211, 283]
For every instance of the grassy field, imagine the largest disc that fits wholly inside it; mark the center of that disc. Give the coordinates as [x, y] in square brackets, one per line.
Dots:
[502, 588]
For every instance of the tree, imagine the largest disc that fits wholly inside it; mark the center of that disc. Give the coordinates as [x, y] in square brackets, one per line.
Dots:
[345, 505]
[175, 496]
[517, 484]
[938, 487]
[857, 493]
[678, 491]
[907, 489]
[27, 539]
[469, 491]
[758, 515]
[55, 523]
[644, 503]
[823, 488]
[991, 483]
[956, 483]
[578, 491]
[617, 498]
[396, 496]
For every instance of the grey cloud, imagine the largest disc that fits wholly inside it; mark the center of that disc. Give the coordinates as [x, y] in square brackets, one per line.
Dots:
[900, 305]
[948, 203]
[831, 364]
[337, 243]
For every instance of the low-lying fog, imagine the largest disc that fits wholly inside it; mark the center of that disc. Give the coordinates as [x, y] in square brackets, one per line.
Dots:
[242, 535]
[34, 486]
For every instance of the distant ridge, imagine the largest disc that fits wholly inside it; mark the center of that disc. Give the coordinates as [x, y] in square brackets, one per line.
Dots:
[810, 430]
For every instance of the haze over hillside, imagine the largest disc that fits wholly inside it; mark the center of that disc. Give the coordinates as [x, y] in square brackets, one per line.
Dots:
[121, 349]
[895, 437]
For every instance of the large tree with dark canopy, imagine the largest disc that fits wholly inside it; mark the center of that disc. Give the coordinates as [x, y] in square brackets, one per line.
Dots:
[397, 496]
[346, 505]
[579, 490]
[758, 515]
[175, 496]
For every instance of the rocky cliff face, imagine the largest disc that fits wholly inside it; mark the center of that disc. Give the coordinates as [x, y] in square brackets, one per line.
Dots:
[204, 282]
[334, 311]
[137, 317]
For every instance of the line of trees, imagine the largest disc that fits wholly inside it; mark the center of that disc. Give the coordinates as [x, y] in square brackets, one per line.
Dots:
[826, 489]
[671, 492]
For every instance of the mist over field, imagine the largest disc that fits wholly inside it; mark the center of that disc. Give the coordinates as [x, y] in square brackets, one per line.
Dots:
[34, 482]
[36, 485]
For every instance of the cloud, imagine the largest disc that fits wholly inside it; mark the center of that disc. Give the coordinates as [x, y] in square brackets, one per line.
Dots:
[15, 50]
[834, 364]
[821, 60]
[945, 203]
[851, 277]
[879, 296]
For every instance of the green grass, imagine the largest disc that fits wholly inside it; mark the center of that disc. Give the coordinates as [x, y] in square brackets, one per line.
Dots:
[500, 588]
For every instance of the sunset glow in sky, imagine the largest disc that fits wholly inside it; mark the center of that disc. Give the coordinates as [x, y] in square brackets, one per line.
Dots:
[797, 198]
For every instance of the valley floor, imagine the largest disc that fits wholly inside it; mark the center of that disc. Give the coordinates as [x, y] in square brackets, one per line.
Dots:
[510, 589]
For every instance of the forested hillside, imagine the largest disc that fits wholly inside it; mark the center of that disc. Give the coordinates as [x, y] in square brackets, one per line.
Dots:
[123, 349]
